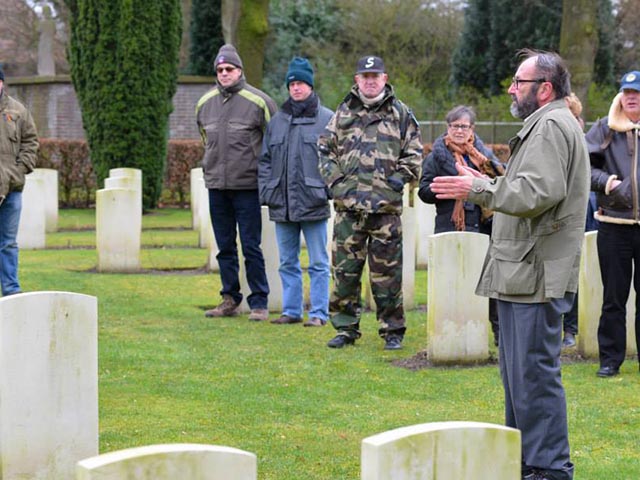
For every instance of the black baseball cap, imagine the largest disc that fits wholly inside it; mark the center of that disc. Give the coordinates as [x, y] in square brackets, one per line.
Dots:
[370, 64]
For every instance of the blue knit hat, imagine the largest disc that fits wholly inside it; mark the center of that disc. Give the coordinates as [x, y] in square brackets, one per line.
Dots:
[299, 70]
[1, 73]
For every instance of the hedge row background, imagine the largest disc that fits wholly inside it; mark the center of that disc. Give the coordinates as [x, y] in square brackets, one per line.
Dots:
[77, 177]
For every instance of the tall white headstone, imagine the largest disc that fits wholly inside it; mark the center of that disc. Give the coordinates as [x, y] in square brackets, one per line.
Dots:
[50, 178]
[118, 230]
[590, 302]
[171, 462]
[426, 220]
[443, 451]
[271, 262]
[32, 227]
[48, 384]
[194, 196]
[457, 319]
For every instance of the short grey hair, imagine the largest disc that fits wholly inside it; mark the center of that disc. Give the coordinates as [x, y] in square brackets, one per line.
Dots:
[456, 113]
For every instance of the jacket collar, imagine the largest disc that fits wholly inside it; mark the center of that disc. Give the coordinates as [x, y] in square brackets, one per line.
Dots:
[617, 120]
[353, 98]
[231, 89]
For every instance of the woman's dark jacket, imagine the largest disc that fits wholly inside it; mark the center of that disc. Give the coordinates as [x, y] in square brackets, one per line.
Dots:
[289, 182]
[441, 162]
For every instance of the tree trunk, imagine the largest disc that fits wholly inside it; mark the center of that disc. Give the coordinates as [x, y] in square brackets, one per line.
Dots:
[245, 25]
[579, 43]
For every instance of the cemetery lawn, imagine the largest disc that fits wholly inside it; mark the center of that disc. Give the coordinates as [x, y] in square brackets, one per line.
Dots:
[168, 374]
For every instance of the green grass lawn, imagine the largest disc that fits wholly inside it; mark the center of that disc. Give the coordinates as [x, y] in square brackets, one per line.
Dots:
[168, 374]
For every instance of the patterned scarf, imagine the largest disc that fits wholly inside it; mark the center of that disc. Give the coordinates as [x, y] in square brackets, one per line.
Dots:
[482, 164]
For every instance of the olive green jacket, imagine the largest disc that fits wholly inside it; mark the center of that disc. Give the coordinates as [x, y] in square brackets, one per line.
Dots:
[18, 144]
[540, 206]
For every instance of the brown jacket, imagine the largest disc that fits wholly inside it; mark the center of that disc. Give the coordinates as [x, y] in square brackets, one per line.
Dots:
[18, 144]
[232, 122]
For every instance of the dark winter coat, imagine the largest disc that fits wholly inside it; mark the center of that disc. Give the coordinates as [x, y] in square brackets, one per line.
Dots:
[288, 177]
[441, 162]
[232, 122]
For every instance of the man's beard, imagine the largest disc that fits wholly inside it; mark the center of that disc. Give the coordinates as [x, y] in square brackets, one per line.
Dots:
[525, 107]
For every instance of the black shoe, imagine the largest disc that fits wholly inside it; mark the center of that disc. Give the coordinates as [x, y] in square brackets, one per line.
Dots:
[340, 341]
[392, 342]
[569, 340]
[607, 371]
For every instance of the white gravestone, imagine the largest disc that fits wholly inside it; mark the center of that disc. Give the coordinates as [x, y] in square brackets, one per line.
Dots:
[206, 237]
[443, 451]
[50, 178]
[48, 384]
[32, 226]
[128, 183]
[408, 257]
[194, 199]
[118, 230]
[457, 318]
[269, 248]
[134, 173]
[171, 462]
[426, 221]
[590, 302]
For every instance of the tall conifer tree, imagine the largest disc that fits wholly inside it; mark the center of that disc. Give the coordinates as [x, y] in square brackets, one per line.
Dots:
[124, 65]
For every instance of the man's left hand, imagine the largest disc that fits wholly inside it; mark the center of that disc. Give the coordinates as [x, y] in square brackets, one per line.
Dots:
[455, 188]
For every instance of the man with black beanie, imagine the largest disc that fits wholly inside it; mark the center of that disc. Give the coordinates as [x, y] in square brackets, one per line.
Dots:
[231, 118]
[291, 186]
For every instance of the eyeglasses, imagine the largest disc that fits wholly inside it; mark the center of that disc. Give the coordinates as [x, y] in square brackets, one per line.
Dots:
[459, 126]
[225, 69]
[517, 81]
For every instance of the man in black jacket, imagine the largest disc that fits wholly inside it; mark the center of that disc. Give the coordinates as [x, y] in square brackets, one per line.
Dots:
[613, 148]
[291, 185]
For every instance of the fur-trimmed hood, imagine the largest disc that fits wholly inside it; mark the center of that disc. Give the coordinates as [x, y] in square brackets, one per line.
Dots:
[617, 120]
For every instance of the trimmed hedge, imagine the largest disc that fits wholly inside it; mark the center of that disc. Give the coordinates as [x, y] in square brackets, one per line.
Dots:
[78, 181]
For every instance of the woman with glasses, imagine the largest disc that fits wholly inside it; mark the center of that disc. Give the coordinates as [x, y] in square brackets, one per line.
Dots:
[460, 145]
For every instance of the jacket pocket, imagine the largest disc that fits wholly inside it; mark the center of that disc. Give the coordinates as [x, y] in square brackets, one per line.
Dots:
[271, 195]
[557, 273]
[310, 156]
[316, 191]
[620, 198]
[514, 267]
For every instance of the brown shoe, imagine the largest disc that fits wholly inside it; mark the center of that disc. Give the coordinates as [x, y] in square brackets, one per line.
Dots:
[315, 322]
[228, 308]
[286, 319]
[259, 314]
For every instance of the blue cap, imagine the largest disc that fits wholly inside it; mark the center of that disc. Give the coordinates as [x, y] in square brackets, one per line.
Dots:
[299, 70]
[630, 81]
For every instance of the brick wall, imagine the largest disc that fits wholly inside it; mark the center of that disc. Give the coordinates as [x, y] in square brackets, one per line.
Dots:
[54, 105]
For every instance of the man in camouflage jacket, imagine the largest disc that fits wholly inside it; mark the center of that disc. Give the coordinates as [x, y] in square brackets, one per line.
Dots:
[371, 149]
[18, 149]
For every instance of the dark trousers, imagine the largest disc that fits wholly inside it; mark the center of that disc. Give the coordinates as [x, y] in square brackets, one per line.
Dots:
[570, 320]
[229, 208]
[618, 253]
[530, 344]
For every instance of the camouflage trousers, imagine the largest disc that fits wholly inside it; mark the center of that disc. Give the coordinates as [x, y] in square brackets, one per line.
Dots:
[376, 238]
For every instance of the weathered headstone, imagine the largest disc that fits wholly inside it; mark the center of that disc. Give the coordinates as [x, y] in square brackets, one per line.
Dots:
[206, 237]
[269, 247]
[49, 177]
[457, 319]
[590, 302]
[426, 219]
[171, 462]
[48, 384]
[443, 451]
[408, 257]
[128, 183]
[194, 196]
[118, 230]
[32, 227]
[126, 172]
